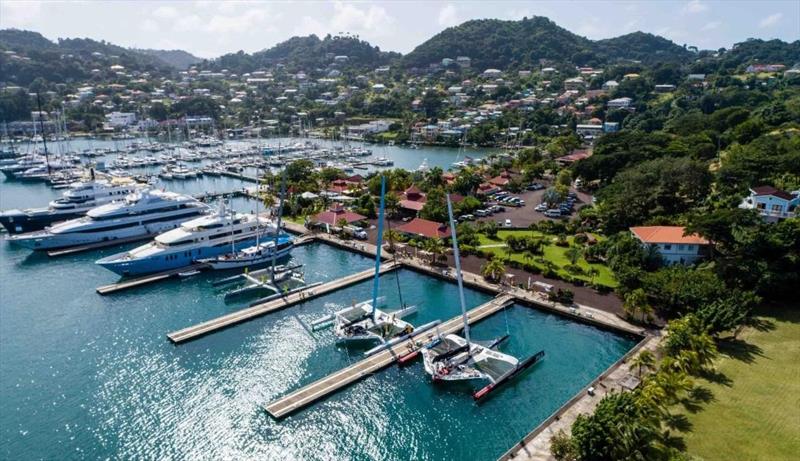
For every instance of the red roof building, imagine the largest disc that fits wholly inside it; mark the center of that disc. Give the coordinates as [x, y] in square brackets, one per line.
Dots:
[413, 199]
[423, 228]
[335, 214]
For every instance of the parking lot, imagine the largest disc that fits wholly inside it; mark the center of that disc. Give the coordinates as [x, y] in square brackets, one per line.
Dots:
[525, 215]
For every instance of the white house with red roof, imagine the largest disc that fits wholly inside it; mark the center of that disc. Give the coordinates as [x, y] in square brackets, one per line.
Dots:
[771, 203]
[672, 243]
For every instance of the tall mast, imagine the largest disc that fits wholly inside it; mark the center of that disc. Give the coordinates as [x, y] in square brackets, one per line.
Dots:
[278, 224]
[377, 283]
[458, 270]
[44, 138]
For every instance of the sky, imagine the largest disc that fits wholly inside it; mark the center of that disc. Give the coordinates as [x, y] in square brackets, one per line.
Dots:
[210, 29]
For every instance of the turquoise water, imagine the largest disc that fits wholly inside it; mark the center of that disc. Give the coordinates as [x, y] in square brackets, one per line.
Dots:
[87, 376]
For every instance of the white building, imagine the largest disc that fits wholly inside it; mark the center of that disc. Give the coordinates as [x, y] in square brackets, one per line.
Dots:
[463, 61]
[671, 243]
[771, 203]
[620, 103]
[121, 119]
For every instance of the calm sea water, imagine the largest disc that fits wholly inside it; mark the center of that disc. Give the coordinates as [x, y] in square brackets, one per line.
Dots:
[87, 376]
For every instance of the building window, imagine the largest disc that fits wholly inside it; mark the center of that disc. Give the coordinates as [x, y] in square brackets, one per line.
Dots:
[667, 246]
[681, 247]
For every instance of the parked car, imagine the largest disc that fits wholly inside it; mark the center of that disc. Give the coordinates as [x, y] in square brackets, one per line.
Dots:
[553, 213]
[466, 217]
[541, 207]
[481, 213]
[355, 232]
[507, 223]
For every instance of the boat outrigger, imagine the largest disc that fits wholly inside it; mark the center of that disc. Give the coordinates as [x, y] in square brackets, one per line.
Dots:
[453, 358]
[364, 321]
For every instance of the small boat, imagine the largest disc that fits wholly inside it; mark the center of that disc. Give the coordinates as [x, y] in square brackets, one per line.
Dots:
[188, 273]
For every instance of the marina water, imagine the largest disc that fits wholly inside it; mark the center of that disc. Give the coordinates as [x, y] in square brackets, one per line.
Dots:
[87, 376]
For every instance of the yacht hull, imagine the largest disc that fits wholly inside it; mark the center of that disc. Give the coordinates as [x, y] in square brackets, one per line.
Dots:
[18, 222]
[167, 260]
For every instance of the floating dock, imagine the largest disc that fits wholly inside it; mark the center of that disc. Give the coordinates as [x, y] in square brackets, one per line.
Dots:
[144, 280]
[225, 321]
[342, 378]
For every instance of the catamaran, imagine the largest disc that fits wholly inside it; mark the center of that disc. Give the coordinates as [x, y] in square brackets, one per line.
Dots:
[364, 321]
[453, 358]
[75, 202]
[140, 214]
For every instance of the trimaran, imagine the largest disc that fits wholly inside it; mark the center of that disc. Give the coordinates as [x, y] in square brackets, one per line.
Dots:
[364, 321]
[453, 358]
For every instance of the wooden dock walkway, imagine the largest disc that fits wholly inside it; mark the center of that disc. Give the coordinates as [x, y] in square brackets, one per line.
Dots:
[227, 320]
[138, 281]
[342, 378]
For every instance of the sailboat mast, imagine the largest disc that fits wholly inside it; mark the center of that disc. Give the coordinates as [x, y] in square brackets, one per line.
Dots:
[278, 224]
[377, 283]
[44, 138]
[458, 269]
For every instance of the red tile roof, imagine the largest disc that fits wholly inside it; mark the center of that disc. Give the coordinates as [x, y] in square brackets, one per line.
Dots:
[411, 205]
[667, 234]
[774, 191]
[335, 214]
[425, 228]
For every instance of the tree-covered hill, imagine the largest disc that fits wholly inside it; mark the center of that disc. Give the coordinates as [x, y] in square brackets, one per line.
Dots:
[308, 53]
[178, 59]
[66, 60]
[500, 44]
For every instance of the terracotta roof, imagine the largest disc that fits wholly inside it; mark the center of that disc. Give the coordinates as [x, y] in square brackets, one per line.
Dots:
[425, 228]
[411, 205]
[667, 234]
[335, 214]
[774, 191]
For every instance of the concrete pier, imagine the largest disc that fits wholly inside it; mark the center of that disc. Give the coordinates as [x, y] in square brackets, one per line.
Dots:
[225, 321]
[336, 381]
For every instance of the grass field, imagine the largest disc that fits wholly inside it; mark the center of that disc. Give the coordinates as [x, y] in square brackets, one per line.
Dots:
[755, 411]
[553, 253]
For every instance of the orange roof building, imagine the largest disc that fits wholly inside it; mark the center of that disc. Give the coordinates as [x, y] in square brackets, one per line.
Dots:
[672, 243]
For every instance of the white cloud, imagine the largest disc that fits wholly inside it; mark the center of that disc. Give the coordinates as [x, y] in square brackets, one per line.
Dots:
[349, 18]
[149, 26]
[770, 20]
[20, 14]
[448, 16]
[711, 25]
[165, 12]
[241, 23]
[695, 6]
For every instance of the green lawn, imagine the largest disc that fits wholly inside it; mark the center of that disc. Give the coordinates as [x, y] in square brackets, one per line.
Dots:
[552, 253]
[755, 411]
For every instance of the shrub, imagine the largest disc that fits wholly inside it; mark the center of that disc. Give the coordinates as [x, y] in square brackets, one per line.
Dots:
[574, 269]
[581, 238]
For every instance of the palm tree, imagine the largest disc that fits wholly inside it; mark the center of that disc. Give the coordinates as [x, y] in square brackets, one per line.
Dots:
[493, 270]
[636, 301]
[391, 236]
[593, 272]
[435, 247]
[573, 254]
[645, 359]
[529, 256]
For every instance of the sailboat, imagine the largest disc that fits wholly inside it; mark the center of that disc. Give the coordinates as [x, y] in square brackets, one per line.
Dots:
[260, 253]
[456, 358]
[364, 321]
